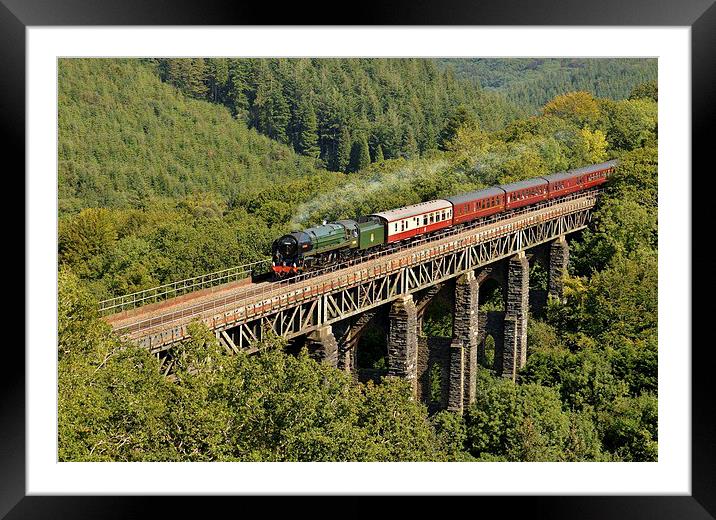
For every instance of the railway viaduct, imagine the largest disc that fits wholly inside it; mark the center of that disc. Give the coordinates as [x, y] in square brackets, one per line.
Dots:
[329, 311]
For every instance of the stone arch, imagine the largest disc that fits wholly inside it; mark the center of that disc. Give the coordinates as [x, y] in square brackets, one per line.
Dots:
[370, 347]
[435, 308]
[492, 328]
[350, 335]
[492, 295]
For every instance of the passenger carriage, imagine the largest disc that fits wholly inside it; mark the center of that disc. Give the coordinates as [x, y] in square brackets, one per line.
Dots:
[564, 183]
[417, 219]
[477, 204]
[524, 193]
[595, 175]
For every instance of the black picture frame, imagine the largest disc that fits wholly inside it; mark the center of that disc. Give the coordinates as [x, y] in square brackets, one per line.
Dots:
[700, 15]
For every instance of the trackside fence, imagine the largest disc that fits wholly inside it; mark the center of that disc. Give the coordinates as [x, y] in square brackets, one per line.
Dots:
[174, 289]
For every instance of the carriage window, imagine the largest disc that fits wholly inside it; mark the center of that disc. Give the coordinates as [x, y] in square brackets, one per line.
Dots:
[425, 220]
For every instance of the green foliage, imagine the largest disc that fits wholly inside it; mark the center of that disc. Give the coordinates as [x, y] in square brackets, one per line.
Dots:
[111, 398]
[81, 239]
[626, 219]
[459, 119]
[620, 301]
[121, 251]
[438, 319]
[379, 158]
[115, 405]
[599, 347]
[305, 129]
[631, 123]
[360, 156]
[451, 432]
[518, 422]
[649, 90]
[579, 108]
[629, 428]
[532, 82]
[435, 383]
[188, 75]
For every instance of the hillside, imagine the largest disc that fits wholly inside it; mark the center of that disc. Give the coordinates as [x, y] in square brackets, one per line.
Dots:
[125, 138]
[347, 112]
[530, 82]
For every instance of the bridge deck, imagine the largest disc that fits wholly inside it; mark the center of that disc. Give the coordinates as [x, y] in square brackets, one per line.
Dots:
[126, 318]
[248, 302]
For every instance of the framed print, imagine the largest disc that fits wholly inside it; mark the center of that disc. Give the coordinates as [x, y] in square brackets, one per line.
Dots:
[340, 161]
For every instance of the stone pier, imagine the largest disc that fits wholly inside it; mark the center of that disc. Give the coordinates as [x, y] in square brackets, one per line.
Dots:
[558, 262]
[322, 345]
[464, 345]
[514, 351]
[403, 340]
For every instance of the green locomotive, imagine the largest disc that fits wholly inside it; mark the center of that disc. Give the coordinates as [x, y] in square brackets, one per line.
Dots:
[321, 245]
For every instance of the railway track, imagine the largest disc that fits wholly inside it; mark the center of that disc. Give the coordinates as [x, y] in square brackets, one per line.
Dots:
[178, 311]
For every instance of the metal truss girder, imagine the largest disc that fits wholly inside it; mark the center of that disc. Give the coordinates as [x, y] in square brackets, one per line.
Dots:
[352, 291]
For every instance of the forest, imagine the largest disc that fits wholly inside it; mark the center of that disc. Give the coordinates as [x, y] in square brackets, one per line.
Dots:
[173, 168]
[529, 83]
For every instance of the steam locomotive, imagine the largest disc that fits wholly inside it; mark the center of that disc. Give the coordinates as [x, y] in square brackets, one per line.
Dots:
[333, 242]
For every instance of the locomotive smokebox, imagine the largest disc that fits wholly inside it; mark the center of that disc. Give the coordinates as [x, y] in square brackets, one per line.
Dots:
[287, 246]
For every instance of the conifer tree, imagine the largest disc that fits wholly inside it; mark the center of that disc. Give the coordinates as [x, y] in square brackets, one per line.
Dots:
[379, 154]
[409, 145]
[239, 87]
[360, 156]
[271, 113]
[306, 130]
[217, 78]
[188, 75]
[460, 117]
[343, 150]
